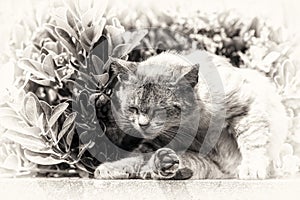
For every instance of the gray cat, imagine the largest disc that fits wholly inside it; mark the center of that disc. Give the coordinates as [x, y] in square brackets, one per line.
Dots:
[191, 124]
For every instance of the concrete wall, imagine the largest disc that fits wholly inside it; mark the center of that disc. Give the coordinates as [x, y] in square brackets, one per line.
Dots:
[64, 189]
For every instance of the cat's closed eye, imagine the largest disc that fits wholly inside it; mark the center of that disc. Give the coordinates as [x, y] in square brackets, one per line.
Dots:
[159, 110]
[177, 105]
[133, 109]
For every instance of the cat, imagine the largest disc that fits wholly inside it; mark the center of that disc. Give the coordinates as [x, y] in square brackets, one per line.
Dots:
[195, 120]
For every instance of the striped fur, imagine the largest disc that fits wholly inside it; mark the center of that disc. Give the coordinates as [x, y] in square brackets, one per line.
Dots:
[166, 87]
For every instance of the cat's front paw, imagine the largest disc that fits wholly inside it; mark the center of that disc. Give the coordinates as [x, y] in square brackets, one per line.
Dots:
[253, 168]
[111, 171]
[166, 163]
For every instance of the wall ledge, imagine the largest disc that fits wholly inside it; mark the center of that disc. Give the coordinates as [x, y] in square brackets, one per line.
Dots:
[75, 188]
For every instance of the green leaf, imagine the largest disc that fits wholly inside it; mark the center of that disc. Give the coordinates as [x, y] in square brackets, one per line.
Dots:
[73, 7]
[81, 167]
[52, 47]
[103, 49]
[98, 64]
[34, 68]
[84, 5]
[256, 25]
[83, 148]
[73, 84]
[30, 22]
[103, 78]
[66, 128]
[87, 19]
[12, 162]
[62, 19]
[66, 39]
[6, 111]
[57, 112]
[70, 136]
[32, 63]
[42, 159]
[31, 108]
[98, 31]
[271, 57]
[26, 141]
[53, 131]
[134, 38]
[121, 50]
[9, 121]
[116, 34]
[31, 131]
[88, 35]
[48, 65]
[72, 21]
[84, 43]
[27, 52]
[87, 80]
[18, 34]
[17, 125]
[43, 82]
[47, 109]
[64, 73]
[287, 71]
[100, 7]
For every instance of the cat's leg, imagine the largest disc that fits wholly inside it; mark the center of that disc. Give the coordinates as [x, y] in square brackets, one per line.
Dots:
[125, 168]
[203, 167]
[163, 164]
[253, 137]
[166, 164]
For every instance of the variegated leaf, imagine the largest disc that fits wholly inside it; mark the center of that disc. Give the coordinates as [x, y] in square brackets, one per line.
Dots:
[67, 128]
[26, 141]
[42, 159]
[57, 112]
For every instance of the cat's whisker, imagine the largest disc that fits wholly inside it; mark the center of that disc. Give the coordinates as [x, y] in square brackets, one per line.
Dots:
[182, 136]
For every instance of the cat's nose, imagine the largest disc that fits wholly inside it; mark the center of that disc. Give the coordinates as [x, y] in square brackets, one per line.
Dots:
[144, 121]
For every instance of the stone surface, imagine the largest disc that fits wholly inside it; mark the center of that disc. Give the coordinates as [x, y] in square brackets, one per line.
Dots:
[69, 188]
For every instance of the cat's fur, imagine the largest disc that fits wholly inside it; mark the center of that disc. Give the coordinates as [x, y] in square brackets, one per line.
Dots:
[151, 98]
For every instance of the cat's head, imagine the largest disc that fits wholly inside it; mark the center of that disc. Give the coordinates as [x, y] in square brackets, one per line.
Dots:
[149, 99]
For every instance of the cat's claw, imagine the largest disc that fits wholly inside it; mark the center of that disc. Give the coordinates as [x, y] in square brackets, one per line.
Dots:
[253, 169]
[110, 171]
[166, 163]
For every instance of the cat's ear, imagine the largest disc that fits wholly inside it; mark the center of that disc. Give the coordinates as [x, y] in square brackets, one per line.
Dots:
[190, 76]
[120, 66]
